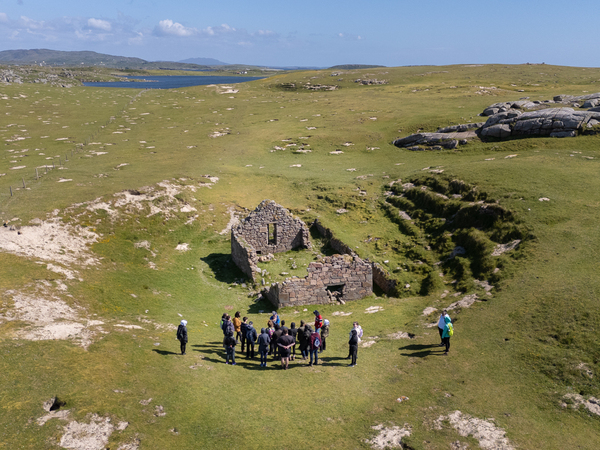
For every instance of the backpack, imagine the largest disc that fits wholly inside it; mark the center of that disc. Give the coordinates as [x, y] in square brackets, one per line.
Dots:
[229, 329]
[179, 332]
[317, 342]
[250, 335]
[450, 329]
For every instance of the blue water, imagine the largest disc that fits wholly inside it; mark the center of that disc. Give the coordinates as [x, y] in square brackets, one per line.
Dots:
[171, 82]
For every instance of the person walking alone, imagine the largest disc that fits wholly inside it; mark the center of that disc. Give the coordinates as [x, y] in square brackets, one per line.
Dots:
[353, 347]
[447, 334]
[441, 324]
[182, 335]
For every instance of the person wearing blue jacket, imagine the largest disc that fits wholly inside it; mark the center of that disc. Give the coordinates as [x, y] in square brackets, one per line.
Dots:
[446, 333]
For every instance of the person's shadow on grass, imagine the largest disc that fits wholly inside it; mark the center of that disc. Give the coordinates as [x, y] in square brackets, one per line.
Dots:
[165, 352]
[421, 350]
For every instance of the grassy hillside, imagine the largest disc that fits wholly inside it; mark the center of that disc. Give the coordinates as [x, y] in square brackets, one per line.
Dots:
[128, 176]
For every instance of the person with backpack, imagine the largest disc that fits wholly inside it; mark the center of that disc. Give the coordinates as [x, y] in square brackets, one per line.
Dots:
[324, 335]
[353, 347]
[441, 324]
[230, 344]
[227, 327]
[294, 333]
[315, 344]
[251, 337]
[243, 331]
[448, 333]
[182, 335]
[263, 346]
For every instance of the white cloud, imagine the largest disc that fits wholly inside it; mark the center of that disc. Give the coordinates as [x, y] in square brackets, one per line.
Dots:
[31, 24]
[169, 28]
[99, 24]
[3, 18]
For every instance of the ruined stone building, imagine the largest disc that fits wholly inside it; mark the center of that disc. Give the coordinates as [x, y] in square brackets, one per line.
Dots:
[270, 228]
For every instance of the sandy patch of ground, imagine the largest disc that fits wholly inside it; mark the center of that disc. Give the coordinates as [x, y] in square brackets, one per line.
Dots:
[490, 436]
[388, 437]
[49, 318]
[51, 240]
[145, 199]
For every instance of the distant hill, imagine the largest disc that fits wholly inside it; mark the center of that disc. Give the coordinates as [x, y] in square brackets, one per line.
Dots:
[59, 58]
[48, 57]
[354, 66]
[204, 62]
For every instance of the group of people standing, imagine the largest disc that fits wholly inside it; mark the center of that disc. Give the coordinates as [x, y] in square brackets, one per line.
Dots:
[280, 341]
[276, 339]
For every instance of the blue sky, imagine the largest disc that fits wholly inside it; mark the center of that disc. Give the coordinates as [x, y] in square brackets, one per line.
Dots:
[312, 33]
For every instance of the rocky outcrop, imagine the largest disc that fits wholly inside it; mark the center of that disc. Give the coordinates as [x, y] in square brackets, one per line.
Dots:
[521, 118]
[552, 122]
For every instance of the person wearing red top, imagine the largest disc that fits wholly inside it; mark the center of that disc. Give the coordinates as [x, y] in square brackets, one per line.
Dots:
[318, 321]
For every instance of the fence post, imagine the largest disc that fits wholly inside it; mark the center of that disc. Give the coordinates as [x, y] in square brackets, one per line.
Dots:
[23, 180]
[37, 177]
[10, 187]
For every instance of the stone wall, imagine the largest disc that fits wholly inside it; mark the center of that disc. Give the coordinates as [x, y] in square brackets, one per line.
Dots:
[338, 277]
[382, 278]
[270, 228]
[244, 256]
[270, 220]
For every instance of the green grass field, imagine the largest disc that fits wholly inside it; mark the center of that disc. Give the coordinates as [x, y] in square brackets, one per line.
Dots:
[513, 358]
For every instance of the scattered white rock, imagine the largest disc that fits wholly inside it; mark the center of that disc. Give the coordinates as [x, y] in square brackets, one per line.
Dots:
[183, 247]
[429, 310]
[401, 335]
[490, 436]
[388, 437]
[503, 248]
[544, 199]
[466, 302]
[88, 436]
[339, 313]
[373, 309]
[592, 404]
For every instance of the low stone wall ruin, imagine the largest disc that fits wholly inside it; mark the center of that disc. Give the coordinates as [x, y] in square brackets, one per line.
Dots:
[338, 277]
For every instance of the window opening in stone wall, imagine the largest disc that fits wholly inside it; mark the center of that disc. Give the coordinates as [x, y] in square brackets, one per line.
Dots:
[272, 230]
[335, 292]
